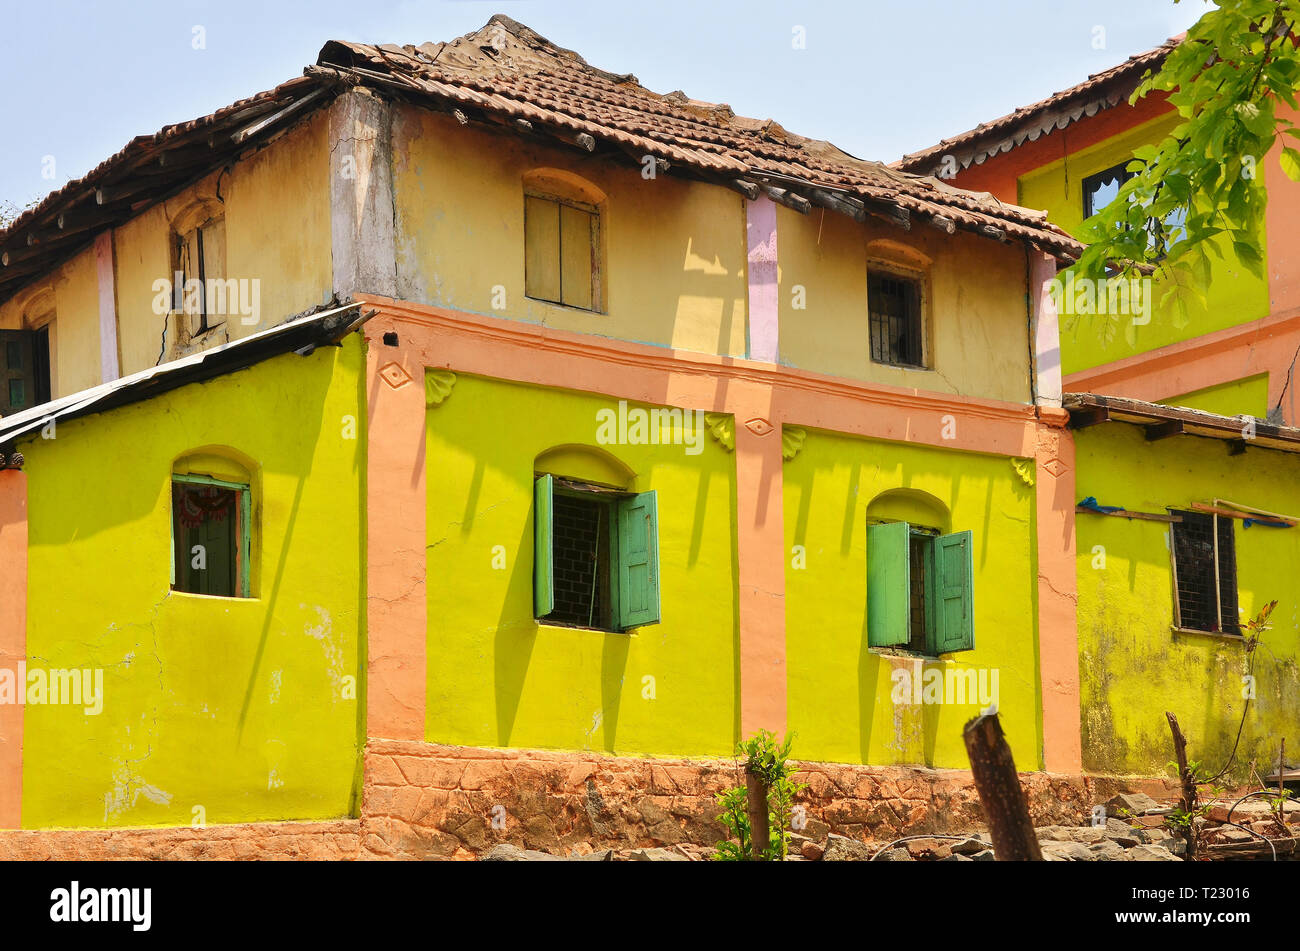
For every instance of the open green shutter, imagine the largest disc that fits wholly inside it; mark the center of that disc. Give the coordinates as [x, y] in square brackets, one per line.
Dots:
[954, 628]
[543, 547]
[888, 584]
[638, 560]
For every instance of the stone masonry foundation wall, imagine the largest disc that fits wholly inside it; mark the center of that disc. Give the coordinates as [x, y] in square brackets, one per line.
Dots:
[427, 801]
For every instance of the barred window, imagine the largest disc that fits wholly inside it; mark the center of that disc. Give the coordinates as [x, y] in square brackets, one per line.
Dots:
[1205, 573]
[581, 561]
[595, 555]
[894, 310]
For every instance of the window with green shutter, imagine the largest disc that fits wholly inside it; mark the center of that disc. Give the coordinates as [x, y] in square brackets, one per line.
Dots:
[919, 589]
[210, 536]
[596, 556]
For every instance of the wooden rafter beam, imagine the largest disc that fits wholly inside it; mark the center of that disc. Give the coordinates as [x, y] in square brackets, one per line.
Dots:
[1082, 419]
[788, 198]
[1172, 427]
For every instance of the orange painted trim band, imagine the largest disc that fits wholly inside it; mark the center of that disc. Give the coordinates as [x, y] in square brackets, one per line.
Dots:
[13, 638]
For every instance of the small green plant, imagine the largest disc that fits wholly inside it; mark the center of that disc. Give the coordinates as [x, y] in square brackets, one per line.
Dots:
[767, 765]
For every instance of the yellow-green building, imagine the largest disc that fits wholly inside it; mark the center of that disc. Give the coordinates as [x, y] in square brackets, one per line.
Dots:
[466, 451]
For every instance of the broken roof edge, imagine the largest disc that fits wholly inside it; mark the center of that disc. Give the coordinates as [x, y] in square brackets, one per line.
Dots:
[66, 221]
[304, 332]
[37, 241]
[1088, 409]
[1100, 91]
[479, 78]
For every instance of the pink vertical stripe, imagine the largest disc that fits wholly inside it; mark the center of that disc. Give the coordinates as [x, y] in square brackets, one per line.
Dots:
[1047, 338]
[108, 365]
[760, 233]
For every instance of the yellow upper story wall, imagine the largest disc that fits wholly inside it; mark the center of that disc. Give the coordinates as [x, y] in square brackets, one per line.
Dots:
[277, 216]
[276, 205]
[977, 322]
[1248, 396]
[1234, 297]
[674, 251]
[72, 290]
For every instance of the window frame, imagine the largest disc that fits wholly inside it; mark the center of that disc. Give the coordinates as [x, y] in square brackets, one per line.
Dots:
[935, 636]
[1120, 170]
[1122, 175]
[243, 533]
[619, 502]
[181, 257]
[597, 248]
[883, 267]
[1179, 623]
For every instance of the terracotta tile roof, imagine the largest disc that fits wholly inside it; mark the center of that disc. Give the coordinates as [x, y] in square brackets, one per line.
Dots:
[505, 72]
[1026, 124]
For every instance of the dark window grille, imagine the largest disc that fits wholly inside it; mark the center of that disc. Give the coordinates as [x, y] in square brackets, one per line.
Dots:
[919, 555]
[581, 562]
[894, 311]
[1206, 601]
[1230, 621]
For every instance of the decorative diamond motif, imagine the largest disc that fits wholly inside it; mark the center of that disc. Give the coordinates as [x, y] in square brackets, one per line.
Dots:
[394, 375]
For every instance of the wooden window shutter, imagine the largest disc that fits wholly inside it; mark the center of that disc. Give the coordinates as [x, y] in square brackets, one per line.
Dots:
[18, 384]
[543, 546]
[888, 585]
[542, 249]
[638, 560]
[954, 627]
[577, 257]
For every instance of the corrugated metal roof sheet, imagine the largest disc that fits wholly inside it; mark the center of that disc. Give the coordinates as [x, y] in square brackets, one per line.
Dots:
[306, 330]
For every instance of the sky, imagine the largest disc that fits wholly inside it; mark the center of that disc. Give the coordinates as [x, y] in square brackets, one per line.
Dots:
[878, 78]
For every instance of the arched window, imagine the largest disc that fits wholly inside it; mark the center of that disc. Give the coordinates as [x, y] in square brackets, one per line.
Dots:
[596, 543]
[212, 523]
[563, 239]
[920, 576]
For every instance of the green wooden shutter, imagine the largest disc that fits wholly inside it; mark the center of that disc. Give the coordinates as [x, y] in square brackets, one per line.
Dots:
[638, 560]
[17, 371]
[954, 627]
[888, 584]
[543, 547]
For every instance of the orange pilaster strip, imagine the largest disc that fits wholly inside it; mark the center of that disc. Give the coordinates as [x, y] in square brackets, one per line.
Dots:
[13, 638]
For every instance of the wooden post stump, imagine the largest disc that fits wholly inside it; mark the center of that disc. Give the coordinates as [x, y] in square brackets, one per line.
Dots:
[1001, 795]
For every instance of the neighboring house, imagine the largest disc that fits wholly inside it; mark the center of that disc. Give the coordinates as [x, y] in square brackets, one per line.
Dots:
[1184, 535]
[1066, 154]
[1164, 594]
[672, 426]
